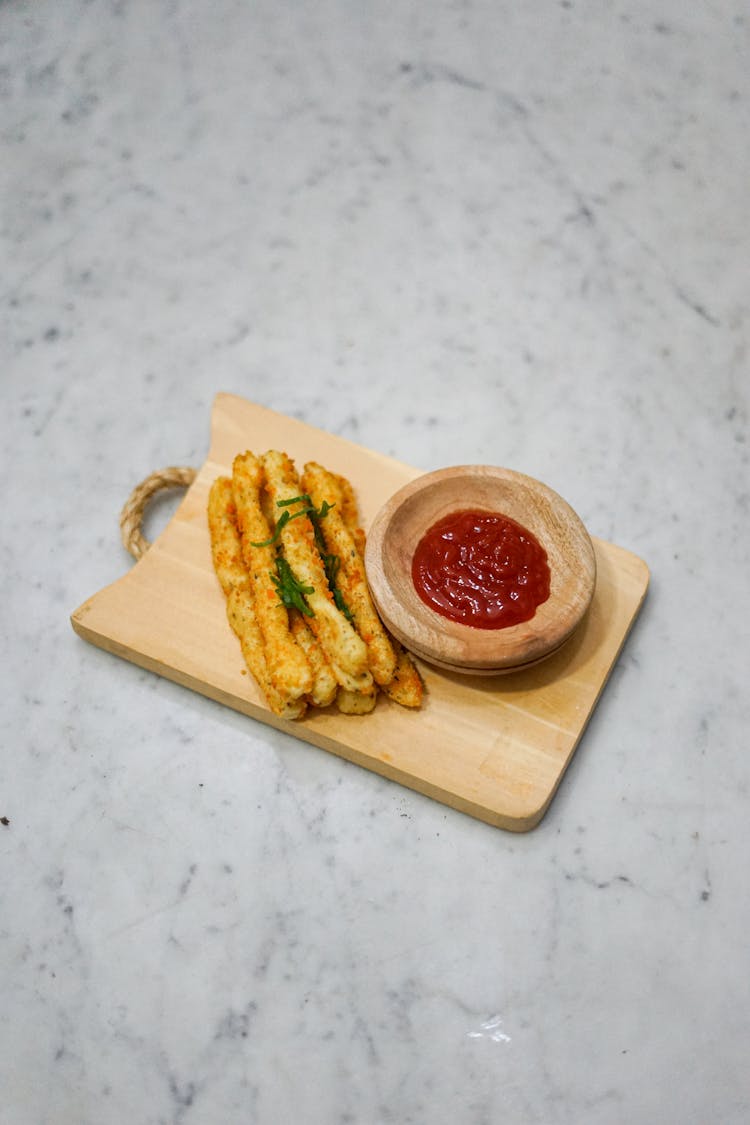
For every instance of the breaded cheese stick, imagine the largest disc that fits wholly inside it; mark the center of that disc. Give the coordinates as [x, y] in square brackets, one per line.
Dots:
[226, 551]
[242, 618]
[351, 703]
[325, 686]
[345, 650]
[287, 664]
[322, 486]
[406, 687]
[356, 702]
[225, 541]
[349, 508]
[350, 512]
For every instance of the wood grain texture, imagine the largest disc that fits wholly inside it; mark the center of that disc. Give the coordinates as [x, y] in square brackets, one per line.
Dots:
[493, 748]
[414, 509]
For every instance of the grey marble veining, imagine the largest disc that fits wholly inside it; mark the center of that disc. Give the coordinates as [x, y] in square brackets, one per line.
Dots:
[459, 232]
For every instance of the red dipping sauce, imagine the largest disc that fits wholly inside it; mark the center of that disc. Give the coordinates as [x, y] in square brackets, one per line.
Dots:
[481, 569]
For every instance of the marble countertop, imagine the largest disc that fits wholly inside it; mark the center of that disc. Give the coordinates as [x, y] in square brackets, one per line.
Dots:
[457, 232]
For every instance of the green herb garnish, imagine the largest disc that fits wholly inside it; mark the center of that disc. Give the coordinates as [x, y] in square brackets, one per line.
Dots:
[289, 590]
[303, 498]
[325, 508]
[331, 564]
[291, 593]
[285, 517]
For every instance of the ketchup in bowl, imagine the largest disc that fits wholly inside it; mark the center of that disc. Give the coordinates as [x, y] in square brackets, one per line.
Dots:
[481, 569]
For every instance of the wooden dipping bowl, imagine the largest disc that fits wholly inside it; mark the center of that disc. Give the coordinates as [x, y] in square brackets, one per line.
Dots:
[404, 519]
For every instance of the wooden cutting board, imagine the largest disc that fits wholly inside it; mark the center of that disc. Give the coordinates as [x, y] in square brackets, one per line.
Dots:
[493, 748]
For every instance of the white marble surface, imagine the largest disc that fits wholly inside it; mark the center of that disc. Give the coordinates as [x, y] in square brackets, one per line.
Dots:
[514, 233]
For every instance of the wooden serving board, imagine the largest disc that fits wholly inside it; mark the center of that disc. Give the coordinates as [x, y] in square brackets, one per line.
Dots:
[493, 748]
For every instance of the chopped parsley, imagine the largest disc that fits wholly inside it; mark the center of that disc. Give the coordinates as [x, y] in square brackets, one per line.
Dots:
[291, 593]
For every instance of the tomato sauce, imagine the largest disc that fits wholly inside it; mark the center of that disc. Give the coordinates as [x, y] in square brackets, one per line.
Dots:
[481, 569]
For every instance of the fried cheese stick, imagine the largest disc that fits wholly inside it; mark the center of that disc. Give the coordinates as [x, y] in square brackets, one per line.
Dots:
[288, 666]
[356, 702]
[324, 686]
[350, 512]
[320, 486]
[345, 650]
[226, 550]
[406, 687]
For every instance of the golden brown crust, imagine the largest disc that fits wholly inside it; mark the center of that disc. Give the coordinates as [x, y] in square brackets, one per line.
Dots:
[324, 687]
[406, 687]
[241, 615]
[356, 702]
[234, 579]
[345, 650]
[349, 508]
[297, 659]
[287, 664]
[323, 486]
[225, 543]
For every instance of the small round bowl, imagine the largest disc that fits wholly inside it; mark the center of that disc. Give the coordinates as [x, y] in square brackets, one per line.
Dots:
[403, 520]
